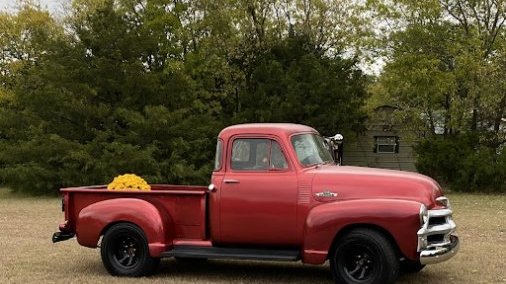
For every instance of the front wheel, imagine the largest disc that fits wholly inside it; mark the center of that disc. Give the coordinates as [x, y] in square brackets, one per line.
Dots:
[364, 256]
[125, 252]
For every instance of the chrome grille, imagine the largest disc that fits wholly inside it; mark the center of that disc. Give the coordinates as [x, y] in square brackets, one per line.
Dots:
[437, 231]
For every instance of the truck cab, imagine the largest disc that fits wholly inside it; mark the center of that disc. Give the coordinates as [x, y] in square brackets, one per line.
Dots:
[275, 194]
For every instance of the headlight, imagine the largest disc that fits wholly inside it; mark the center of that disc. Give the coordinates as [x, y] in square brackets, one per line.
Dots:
[424, 214]
[443, 201]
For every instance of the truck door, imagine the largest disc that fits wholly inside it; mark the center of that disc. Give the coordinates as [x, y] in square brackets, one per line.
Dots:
[258, 195]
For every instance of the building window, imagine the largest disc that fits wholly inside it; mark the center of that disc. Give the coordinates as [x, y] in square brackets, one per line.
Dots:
[386, 144]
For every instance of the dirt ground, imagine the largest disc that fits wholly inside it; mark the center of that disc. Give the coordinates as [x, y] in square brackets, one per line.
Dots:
[27, 254]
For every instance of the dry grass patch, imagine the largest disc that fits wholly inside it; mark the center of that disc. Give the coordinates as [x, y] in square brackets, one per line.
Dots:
[27, 254]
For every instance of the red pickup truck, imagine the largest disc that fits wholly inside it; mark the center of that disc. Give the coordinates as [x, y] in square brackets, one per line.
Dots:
[276, 194]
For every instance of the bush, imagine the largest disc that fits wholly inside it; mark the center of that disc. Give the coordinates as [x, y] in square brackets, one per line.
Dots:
[462, 163]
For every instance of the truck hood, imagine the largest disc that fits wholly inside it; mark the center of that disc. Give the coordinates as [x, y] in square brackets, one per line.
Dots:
[360, 183]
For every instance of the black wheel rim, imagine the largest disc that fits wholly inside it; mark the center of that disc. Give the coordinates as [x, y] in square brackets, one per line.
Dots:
[358, 262]
[126, 251]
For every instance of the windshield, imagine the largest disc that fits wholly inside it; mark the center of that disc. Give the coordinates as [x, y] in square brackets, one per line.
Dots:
[310, 149]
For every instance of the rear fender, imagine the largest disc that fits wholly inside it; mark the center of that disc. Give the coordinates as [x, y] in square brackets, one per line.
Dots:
[96, 217]
[400, 218]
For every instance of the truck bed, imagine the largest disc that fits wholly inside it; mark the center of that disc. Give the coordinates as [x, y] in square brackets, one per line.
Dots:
[185, 204]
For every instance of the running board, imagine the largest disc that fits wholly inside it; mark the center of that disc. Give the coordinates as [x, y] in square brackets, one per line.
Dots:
[232, 253]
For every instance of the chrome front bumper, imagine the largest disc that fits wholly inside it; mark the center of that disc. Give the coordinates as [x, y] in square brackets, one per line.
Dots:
[437, 240]
[441, 253]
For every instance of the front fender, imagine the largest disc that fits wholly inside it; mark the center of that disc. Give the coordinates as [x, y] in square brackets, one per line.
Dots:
[400, 218]
[93, 219]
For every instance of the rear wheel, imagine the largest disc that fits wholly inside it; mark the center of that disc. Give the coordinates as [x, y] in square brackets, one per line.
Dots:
[125, 252]
[364, 256]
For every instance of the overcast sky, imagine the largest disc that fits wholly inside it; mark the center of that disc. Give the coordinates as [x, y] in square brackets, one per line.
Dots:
[54, 6]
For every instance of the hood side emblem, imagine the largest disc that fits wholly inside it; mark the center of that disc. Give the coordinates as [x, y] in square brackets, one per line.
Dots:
[326, 194]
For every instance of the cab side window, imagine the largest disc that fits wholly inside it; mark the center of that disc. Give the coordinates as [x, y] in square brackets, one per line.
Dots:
[278, 160]
[250, 154]
[257, 155]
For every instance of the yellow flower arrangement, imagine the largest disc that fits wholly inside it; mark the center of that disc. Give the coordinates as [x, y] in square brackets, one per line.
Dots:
[129, 182]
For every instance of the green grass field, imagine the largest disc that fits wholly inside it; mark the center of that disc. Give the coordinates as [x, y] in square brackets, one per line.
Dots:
[27, 254]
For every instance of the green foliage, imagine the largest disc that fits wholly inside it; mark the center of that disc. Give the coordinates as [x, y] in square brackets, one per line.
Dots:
[292, 81]
[442, 71]
[145, 87]
[462, 163]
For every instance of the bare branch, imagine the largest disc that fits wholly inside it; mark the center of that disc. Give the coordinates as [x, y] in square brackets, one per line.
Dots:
[477, 18]
[462, 20]
[494, 36]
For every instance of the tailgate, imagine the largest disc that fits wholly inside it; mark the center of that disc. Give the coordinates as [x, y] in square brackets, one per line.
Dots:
[67, 228]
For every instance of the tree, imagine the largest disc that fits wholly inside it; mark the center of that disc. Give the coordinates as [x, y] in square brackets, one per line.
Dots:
[442, 63]
[145, 86]
[295, 82]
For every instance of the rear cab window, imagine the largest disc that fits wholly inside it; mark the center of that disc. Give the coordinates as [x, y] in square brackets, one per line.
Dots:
[218, 157]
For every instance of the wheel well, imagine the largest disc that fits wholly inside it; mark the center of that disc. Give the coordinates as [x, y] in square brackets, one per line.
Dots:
[376, 228]
[108, 226]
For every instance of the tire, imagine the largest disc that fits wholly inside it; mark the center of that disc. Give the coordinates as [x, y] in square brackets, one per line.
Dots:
[411, 266]
[364, 256]
[125, 252]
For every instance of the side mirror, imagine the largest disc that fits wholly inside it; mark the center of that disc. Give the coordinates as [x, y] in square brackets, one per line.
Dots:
[338, 137]
[335, 145]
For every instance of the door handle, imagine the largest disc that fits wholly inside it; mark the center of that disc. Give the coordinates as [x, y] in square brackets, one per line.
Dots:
[231, 181]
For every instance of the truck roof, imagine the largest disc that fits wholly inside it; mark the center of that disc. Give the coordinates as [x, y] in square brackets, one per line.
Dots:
[279, 129]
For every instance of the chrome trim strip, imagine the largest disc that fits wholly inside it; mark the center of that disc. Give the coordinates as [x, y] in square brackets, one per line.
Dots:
[423, 214]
